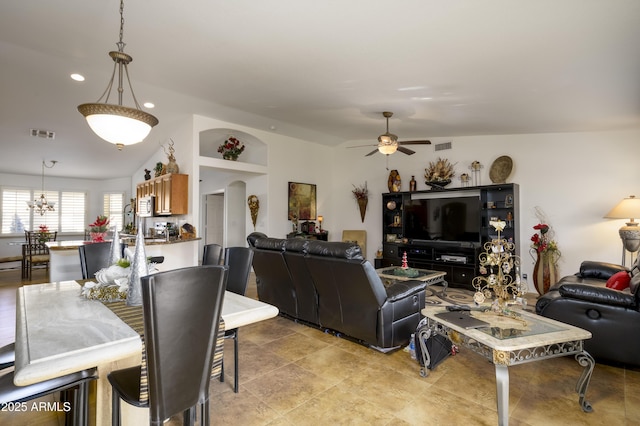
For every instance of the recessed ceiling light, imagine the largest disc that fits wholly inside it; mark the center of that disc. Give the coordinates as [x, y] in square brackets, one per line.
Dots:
[421, 98]
[77, 77]
[149, 105]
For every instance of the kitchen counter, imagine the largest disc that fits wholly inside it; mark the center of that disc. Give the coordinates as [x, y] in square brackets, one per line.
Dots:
[74, 244]
[65, 259]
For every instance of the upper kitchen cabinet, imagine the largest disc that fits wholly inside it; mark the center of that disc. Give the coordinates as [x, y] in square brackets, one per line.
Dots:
[171, 193]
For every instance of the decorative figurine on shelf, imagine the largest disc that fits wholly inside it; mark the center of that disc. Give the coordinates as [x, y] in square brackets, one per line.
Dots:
[147, 174]
[439, 173]
[475, 171]
[172, 166]
[412, 184]
[394, 182]
[500, 272]
[159, 168]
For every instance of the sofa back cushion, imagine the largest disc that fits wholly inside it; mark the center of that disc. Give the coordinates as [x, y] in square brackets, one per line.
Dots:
[338, 250]
[306, 295]
[350, 295]
[273, 280]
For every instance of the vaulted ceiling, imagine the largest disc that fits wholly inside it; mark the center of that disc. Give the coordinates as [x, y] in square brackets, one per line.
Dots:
[318, 70]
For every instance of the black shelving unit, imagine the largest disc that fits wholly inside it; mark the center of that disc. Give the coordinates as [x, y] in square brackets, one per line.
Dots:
[458, 260]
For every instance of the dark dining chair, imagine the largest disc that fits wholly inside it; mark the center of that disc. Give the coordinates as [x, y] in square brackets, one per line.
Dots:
[95, 256]
[77, 384]
[182, 309]
[35, 252]
[239, 260]
[212, 254]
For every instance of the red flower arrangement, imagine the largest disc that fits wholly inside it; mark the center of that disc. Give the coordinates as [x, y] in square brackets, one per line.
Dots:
[231, 149]
[100, 225]
[542, 242]
[98, 229]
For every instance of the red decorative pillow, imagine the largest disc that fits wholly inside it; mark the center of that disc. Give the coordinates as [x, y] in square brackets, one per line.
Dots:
[619, 280]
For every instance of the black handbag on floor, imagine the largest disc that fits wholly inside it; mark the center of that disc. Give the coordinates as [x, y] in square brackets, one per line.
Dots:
[431, 349]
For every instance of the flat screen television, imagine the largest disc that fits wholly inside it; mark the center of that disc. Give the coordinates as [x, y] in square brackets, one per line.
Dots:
[454, 218]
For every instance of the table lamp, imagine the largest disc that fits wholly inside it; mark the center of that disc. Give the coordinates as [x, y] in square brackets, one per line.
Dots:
[320, 219]
[628, 208]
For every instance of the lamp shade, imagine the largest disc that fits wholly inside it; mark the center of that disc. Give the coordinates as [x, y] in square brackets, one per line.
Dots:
[629, 208]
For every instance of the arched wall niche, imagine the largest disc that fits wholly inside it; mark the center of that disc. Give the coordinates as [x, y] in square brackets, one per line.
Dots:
[255, 151]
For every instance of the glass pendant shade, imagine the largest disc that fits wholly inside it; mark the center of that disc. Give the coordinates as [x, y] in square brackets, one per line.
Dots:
[118, 124]
[387, 143]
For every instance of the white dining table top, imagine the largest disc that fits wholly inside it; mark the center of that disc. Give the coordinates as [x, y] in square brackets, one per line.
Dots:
[58, 331]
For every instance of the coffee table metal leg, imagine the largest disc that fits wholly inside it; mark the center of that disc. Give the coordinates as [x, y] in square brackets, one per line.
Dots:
[502, 393]
[585, 360]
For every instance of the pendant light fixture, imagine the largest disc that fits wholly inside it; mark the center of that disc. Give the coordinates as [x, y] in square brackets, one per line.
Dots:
[41, 205]
[118, 124]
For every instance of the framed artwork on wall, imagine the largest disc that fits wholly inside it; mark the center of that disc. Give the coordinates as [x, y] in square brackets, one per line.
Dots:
[302, 201]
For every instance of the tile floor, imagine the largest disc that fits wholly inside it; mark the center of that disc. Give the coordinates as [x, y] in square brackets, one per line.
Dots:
[295, 375]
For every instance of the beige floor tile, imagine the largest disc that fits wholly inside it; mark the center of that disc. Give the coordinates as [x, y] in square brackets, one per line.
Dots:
[287, 387]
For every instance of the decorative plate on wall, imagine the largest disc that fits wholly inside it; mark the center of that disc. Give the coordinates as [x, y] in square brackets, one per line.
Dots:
[501, 169]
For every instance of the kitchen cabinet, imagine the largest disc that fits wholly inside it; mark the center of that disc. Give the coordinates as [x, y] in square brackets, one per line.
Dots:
[171, 192]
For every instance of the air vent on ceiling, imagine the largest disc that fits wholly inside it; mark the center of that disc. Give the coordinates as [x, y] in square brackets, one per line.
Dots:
[46, 134]
[443, 146]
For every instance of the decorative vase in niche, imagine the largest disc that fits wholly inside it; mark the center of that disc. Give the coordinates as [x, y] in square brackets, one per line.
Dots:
[229, 156]
[545, 271]
[394, 183]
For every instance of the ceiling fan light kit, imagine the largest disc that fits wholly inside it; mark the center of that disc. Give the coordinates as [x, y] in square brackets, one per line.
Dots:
[388, 142]
[118, 124]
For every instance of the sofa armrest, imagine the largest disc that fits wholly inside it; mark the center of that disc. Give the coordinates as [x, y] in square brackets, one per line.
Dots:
[601, 295]
[599, 270]
[403, 289]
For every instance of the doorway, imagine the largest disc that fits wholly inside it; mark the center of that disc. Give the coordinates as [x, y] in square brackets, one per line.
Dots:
[214, 219]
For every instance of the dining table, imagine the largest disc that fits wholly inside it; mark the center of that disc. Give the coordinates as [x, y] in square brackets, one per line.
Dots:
[59, 331]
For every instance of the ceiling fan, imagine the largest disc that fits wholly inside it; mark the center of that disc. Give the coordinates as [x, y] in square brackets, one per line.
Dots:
[388, 142]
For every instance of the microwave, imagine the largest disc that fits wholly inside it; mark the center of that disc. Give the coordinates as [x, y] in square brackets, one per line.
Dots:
[146, 206]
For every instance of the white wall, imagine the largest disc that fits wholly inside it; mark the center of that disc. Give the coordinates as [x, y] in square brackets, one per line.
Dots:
[576, 178]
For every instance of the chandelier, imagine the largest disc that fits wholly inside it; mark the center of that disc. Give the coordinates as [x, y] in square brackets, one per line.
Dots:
[118, 124]
[41, 205]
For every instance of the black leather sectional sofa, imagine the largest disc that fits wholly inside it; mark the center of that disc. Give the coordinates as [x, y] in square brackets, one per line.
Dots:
[612, 316]
[330, 286]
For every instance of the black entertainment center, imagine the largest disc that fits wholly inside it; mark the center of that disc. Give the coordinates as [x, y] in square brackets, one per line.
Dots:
[444, 230]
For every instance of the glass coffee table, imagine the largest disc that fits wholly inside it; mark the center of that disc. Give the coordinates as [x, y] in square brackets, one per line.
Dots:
[428, 276]
[518, 338]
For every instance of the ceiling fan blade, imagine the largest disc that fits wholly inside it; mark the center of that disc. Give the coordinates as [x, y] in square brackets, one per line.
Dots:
[360, 146]
[425, 142]
[406, 150]
[372, 152]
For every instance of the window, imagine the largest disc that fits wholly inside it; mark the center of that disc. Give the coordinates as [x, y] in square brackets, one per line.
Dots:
[68, 216]
[15, 215]
[114, 209]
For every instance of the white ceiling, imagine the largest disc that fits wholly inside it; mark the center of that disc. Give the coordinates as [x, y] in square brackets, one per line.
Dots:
[319, 70]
